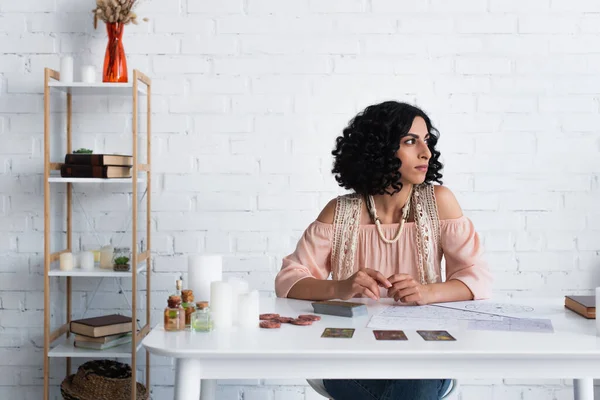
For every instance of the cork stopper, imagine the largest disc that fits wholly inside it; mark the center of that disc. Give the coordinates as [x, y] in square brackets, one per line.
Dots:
[201, 305]
[179, 284]
[187, 295]
[174, 301]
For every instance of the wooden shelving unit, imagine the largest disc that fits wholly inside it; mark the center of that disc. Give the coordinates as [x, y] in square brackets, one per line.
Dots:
[57, 342]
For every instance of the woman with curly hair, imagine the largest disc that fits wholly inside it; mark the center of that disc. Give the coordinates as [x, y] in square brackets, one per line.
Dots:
[389, 235]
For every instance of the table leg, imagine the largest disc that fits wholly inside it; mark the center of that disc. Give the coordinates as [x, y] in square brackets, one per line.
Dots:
[187, 379]
[208, 389]
[584, 389]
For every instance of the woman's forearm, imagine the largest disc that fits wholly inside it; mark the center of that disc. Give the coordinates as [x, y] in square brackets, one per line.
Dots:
[452, 290]
[314, 289]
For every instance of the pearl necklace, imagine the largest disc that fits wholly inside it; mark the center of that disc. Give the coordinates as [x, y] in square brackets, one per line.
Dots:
[405, 212]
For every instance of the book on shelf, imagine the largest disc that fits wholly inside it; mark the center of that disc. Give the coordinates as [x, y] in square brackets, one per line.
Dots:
[94, 171]
[101, 346]
[99, 159]
[582, 305]
[101, 339]
[105, 325]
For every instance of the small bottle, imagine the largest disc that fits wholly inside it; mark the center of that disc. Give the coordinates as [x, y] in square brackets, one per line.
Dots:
[178, 286]
[188, 305]
[174, 315]
[201, 320]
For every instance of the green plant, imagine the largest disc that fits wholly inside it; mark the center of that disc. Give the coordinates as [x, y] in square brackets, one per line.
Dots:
[83, 151]
[121, 260]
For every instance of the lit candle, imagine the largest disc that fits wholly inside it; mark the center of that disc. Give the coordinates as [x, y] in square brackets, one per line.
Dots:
[106, 255]
[66, 69]
[66, 261]
[220, 304]
[86, 260]
[248, 310]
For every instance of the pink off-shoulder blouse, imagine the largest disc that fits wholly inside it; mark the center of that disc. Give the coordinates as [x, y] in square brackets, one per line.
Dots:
[461, 248]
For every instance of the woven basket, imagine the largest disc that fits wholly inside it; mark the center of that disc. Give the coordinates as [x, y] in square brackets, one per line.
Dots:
[101, 380]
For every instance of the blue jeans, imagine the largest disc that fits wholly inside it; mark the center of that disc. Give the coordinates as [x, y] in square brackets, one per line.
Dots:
[383, 389]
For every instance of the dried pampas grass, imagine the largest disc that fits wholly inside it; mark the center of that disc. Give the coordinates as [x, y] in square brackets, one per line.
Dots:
[111, 11]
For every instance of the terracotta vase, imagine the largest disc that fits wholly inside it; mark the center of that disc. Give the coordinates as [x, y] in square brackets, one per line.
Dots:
[115, 63]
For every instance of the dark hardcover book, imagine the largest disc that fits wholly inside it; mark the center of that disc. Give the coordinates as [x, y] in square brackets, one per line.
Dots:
[99, 159]
[101, 326]
[340, 308]
[582, 305]
[94, 171]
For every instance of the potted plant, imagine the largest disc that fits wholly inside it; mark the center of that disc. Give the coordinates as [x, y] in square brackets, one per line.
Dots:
[121, 264]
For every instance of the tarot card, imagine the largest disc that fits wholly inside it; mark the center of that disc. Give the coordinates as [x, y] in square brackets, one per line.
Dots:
[436, 335]
[338, 333]
[390, 335]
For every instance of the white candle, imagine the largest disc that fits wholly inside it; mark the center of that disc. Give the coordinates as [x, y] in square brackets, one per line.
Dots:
[66, 261]
[66, 69]
[238, 286]
[202, 271]
[248, 309]
[220, 304]
[106, 255]
[597, 307]
[88, 74]
[86, 260]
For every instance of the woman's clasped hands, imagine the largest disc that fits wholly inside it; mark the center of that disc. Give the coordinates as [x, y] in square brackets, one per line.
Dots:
[366, 282]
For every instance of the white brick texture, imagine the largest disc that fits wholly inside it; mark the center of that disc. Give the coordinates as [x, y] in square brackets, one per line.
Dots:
[248, 98]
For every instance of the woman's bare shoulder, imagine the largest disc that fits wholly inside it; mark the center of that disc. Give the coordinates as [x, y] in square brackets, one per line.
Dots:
[328, 213]
[447, 205]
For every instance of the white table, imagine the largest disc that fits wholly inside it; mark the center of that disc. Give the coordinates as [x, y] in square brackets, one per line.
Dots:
[571, 352]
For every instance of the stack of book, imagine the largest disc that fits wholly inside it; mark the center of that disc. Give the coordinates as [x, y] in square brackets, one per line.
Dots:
[96, 166]
[582, 305]
[101, 332]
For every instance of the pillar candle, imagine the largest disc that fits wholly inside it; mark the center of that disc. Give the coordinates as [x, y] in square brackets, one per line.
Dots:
[220, 304]
[106, 255]
[66, 261]
[238, 287]
[202, 271]
[86, 260]
[88, 74]
[248, 310]
[66, 69]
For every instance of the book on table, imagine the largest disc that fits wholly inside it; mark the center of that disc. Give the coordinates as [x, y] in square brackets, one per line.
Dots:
[582, 305]
[99, 159]
[105, 325]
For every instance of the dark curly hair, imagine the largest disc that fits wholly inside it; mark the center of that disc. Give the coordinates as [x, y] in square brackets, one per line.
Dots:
[365, 155]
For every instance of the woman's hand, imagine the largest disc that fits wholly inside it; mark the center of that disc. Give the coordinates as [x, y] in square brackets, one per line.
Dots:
[364, 282]
[405, 289]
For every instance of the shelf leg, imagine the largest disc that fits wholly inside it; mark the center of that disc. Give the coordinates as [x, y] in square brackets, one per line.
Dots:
[187, 379]
[584, 389]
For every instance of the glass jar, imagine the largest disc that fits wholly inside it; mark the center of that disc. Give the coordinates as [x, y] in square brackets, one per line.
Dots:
[188, 305]
[121, 259]
[201, 319]
[174, 315]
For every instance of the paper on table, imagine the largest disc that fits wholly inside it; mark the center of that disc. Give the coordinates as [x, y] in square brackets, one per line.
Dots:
[490, 308]
[514, 325]
[398, 323]
[433, 312]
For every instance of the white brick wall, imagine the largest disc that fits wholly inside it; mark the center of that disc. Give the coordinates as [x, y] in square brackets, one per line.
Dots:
[248, 97]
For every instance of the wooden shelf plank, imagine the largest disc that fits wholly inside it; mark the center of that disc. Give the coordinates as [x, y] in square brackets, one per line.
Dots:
[97, 88]
[68, 349]
[96, 272]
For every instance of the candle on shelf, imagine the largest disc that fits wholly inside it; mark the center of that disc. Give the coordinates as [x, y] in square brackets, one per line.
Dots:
[88, 74]
[66, 261]
[86, 260]
[106, 256]
[220, 304]
[202, 271]
[248, 309]
[238, 286]
[66, 69]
